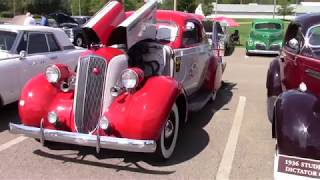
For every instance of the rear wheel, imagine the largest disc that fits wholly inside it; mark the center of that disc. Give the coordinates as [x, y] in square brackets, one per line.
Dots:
[169, 135]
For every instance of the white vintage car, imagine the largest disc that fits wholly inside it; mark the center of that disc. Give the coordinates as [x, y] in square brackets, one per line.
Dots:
[27, 50]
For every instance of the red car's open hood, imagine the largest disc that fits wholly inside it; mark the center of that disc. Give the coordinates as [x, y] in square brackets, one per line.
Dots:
[111, 25]
[105, 21]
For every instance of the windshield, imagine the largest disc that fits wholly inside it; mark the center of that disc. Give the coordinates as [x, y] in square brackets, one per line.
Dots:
[166, 31]
[262, 26]
[314, 36]
[6, 40]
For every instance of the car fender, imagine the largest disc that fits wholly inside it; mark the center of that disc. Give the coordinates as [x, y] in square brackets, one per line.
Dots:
[273, 83]
[142, 114]
[210, 82]
[297, 123]
[34, 98]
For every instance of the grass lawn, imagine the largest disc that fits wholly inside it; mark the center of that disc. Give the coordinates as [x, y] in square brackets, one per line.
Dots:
[244, 29]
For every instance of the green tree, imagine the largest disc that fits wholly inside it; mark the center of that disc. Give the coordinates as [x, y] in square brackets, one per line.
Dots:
[130, 5]
[285, 8]
[187, 5]
[207, 7]
[167, 5]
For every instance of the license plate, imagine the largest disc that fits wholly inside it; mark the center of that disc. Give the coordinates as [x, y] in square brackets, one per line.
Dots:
[298, 166]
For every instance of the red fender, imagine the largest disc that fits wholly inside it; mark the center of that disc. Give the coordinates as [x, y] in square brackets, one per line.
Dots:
[62, 104]
[142, 114]
[34, 100]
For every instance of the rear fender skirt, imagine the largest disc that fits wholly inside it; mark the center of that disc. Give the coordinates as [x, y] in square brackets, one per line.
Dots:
[297, 124]
[142, 114]
[274, 79]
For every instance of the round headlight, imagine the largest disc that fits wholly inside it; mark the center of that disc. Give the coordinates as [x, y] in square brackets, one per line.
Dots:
[52, 117]
[53, 74]
[250, 42]
[104, 123]
[129, 79]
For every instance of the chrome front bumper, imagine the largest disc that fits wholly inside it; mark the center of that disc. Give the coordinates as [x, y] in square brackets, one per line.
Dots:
[105, 142]
[263, 52]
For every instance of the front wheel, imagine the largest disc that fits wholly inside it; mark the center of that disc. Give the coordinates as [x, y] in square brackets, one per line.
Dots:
[169, 135]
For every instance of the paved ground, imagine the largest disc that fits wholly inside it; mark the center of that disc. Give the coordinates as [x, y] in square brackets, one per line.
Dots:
[229, 139]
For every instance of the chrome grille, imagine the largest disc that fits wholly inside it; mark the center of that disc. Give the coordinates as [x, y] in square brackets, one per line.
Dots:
[89, 93]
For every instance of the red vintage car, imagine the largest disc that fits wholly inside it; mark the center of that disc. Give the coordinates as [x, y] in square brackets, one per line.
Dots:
[133, 89]
[293, 85]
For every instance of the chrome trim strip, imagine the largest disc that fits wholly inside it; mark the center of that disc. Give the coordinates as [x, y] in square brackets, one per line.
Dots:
[106, 142]
[263, 52]
[313, 73]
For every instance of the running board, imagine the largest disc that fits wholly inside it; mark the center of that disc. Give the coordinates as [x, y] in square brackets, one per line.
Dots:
[198, 100]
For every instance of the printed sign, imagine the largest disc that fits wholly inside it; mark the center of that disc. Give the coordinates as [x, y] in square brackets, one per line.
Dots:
[299, 166]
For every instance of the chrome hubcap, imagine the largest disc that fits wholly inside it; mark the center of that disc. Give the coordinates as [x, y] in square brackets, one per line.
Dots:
[168, 131]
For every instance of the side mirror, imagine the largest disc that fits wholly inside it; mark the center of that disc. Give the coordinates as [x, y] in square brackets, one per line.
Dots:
[190, 26]
[23, 54]
[294, 44]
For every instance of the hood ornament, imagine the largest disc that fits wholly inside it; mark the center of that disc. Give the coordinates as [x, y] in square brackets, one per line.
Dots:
[96, 71]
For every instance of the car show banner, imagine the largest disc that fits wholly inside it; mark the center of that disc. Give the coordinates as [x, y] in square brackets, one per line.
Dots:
[299, 166]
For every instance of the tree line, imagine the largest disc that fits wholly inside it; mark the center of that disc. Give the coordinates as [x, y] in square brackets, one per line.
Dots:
[9, 8]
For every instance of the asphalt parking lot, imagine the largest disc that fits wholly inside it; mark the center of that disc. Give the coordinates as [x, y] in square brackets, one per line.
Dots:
[229, 139]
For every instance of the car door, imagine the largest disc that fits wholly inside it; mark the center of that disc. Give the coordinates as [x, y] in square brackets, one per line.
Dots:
[218, 50]
[192, 58]
[36, 59]
[55, 54]
[9, 63]
[291, 69]
[310, 60]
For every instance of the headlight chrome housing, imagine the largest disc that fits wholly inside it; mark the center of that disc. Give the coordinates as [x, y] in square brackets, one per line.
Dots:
[53, 74]
[130, 78]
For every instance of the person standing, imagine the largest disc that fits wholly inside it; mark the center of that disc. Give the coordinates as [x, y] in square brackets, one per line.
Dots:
[44, 21]
[29, 20]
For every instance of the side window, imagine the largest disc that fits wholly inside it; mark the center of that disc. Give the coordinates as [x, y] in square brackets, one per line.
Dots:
[37, 43]
[192, 34]
[23, 43]
[293, 38]
[53, 45]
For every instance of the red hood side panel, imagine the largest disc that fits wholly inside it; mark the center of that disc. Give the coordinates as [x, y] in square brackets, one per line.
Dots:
[106, 20]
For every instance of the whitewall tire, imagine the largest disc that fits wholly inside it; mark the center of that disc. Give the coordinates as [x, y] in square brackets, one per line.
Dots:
[169, 135]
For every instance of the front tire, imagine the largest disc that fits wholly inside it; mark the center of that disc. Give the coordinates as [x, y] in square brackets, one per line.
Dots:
[169, 135]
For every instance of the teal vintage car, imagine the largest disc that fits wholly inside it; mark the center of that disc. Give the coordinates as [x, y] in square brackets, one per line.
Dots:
[266, 37]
